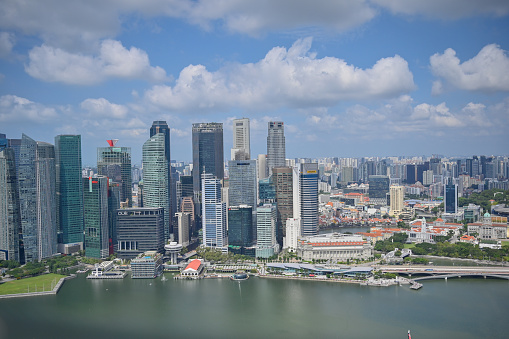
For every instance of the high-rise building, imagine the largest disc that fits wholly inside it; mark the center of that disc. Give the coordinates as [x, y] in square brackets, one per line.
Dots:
[242, 183]
[69, 188]
[184, 227]
[240, 230]
[207, 152]
[410, 174]
[95, 205]
[292, 234]
[10, 215]
[378, 188]
[267, 244]
[213, 213]
[113, 206]
[38, 204]
[187, 206]
[241, 144]
[276, 151]
[397, 196]
[450, 198]
[115, 163]
[262, 166]
[139, 230]
[266, 191]
[162, 127]
[155, 177]
[283, 182]
[305, 197]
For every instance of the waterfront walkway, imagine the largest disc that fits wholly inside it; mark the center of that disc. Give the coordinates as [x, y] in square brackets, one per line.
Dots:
[31, 294]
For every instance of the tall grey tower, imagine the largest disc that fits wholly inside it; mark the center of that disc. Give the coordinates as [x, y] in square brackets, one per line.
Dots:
[276, 154]
[241, 145]
[207, 152]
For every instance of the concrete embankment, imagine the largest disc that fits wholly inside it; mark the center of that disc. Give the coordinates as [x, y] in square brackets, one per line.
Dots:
[31, 294]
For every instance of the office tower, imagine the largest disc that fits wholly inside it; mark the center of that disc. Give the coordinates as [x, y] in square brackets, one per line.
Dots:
[305, 197]
[292, 234]
[262, 166]
[184, 227]
[283, 182]
[4, 143]
[10, 215]
[410, 174]
[276, 152]
[242, 184]
[155, 177]
[115, 163]
[378, 188]
[69, 188]
[186, 182]
[397, 196]
[427, 178]
[213, 213]
[139, 230]
[37, 193]
[450, 198]
[113, 206]
[95, 206]
[207, 152]
[266, 191]
[347, 174]
[420, 170]
[162, 127]
[241, 145]
[267, 244]
[240, 230]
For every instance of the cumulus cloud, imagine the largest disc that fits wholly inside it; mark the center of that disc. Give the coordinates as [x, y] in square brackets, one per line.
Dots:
[487, 71]
[113, 61]
[293, 78]
[6, 44]
[450, 9]
[18, 109]
[103, 108]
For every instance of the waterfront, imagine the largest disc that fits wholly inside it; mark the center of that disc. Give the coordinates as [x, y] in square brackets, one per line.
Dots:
[458, 308]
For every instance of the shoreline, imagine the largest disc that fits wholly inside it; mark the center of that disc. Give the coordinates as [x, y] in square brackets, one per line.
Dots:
[33, 294]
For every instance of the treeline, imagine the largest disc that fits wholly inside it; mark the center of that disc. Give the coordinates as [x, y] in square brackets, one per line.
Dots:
[52, 265]
[215, 255]
[397, 240]
[483, 198]
[461, 250]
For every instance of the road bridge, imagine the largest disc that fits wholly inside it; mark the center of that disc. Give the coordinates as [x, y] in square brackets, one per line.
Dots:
[444, 272]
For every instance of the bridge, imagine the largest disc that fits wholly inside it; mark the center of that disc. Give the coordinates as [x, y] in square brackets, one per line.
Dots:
[445, 272]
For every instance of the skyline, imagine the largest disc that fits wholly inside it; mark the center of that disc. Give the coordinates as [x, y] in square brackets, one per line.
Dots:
[374, 78]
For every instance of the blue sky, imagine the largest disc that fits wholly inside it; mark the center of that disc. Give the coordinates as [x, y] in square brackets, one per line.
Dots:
[348, 78]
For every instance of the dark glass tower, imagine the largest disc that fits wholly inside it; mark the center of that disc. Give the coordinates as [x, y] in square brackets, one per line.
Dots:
[240, 230]
[95, 204]
[378, 186]
[69, 188]
[207, 152]
[451, 198]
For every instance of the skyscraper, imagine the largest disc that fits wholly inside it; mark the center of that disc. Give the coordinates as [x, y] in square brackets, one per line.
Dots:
[266, 245]
[276, 152]
[213, 213]
[243, 188]
[305, 197]
[283, 181]
[10, 215]
[115, 163]
[95, 205]
[378, 188]
[397, 196]
[450, 198]
[207, 152]
[241, 144]
[155, 177]
[38, 204]
[240, 230]
[162, 127]
[69, 188]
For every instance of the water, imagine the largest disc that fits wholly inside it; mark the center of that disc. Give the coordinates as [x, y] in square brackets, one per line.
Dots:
[256, 308]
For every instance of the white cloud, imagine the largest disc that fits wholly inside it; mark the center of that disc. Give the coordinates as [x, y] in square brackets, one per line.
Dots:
[17, 109]
[487, 71]
[293, 77]
[104, 109]
[6, 44]
[114, 60]
[450, 9]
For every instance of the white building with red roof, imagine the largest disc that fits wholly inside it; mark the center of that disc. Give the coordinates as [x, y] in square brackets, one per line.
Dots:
[193, 269]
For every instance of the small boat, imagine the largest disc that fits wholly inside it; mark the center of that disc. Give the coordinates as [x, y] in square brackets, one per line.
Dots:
[163, 278]
[416, 286]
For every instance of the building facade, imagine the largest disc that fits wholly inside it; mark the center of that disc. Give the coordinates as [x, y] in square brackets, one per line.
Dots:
[115, 163]
[276, 148]
[139, 230]
[241, 144]
[213, 213]
[240, 227]
[334, 246]
[397, 196]
[305, 197]
[147, 265]
[207, 152]
[95, 205]
[10, 215]
[283, 182]
[267, 244]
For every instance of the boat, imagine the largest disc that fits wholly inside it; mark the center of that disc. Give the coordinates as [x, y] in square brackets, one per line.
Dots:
[164, 278]
[416, 286]
[239, 276]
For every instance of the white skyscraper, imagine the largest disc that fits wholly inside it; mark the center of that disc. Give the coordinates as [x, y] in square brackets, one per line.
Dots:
[262, 166]
[276, 153]
[241, 145]
[305, 197]
[267, 245]
[292, 234]
[213, 213]
[397, 196]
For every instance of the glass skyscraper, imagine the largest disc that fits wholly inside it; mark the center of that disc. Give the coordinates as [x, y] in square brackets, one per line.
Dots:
[450, 198]
[69, 188]
[207, 152]
[155, 177]
[115, 163]
[241, 144]
[95, 204]
[276, 151]
[378, 186]
[305, 197]
[240, 230]
[213, 213]
[283, 182]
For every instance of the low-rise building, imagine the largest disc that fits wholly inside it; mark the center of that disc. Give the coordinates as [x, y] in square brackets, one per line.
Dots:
[334, 246]
[487, 229]
[193, 270]
[147, 265]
